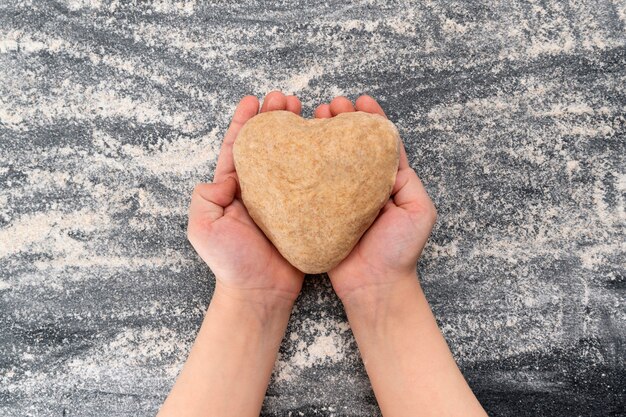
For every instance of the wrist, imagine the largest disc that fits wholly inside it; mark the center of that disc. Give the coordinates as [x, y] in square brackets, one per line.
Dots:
[264, 304]
[371, 286]
[382, 301]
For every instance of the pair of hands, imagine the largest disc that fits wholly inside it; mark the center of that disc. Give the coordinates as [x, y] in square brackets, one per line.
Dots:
[248, 266]
[410, 366]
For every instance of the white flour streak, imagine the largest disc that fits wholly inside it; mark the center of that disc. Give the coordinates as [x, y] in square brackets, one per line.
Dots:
[48, 230]
[323, 341]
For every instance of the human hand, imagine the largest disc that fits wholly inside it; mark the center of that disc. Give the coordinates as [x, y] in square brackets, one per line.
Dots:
[410, 366]
[389, 250]
[245, 263]
[230, 363]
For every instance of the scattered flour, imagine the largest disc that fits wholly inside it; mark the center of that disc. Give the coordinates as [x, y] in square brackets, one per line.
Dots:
[174, 158]
[300, 81]
[17, 40]
[572, 166]
[49, 233]
[321, 341]
[186, 7]
[49, 228]
[452, 27]
[82, 103]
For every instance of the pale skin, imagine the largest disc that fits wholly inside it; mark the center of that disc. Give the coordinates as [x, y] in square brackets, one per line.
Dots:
[407, 359]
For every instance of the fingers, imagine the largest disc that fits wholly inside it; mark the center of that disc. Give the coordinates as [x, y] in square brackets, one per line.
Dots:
[323, 111]
[337, 106]
[246, 109]
[274, 101]
[208, 202]
[294, 105]
[368, 104]
[341, 105]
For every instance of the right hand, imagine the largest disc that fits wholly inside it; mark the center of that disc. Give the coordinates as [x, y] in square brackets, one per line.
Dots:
[246, 264]
[389, 249]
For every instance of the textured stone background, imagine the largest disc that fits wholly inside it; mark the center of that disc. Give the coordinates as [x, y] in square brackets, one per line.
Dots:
[514, 115]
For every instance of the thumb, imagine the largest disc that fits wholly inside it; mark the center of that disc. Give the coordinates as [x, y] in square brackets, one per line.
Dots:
[209, 200]
[409, 193]
[222, 193]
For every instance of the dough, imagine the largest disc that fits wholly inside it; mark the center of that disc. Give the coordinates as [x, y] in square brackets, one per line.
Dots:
[314, 186]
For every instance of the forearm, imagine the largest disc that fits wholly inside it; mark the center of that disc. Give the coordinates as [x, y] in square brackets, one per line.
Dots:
[230, 363]
[407, 359]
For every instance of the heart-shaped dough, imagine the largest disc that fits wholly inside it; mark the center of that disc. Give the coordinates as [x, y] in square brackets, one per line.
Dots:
[314, 186]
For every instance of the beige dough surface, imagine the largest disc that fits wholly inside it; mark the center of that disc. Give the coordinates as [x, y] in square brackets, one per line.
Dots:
[314, 186]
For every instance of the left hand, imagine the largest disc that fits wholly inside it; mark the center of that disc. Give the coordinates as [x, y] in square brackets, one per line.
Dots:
[245, 263]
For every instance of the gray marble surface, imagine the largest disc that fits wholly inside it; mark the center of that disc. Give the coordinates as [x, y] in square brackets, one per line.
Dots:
[513, 114]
